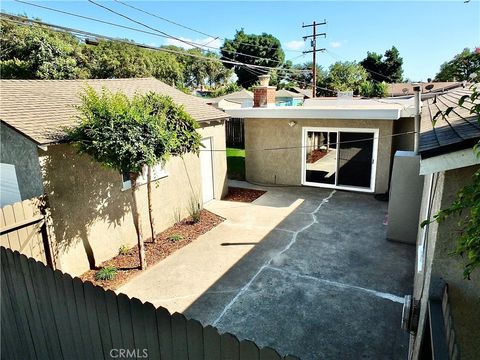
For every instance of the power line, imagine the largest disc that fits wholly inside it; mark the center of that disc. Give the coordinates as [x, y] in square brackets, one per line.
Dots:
[195, 30]
[314, 51]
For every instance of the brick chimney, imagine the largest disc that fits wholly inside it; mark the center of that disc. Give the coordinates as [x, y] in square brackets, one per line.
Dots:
[264, 95]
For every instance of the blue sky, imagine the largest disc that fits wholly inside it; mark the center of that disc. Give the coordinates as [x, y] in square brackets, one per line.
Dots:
[426, 33]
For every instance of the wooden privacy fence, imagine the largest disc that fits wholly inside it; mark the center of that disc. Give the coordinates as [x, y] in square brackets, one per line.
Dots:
[46, 314]
[23, 227]
[234, 132]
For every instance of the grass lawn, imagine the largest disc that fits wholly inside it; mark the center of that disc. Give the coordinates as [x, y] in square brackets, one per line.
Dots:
[236, 164]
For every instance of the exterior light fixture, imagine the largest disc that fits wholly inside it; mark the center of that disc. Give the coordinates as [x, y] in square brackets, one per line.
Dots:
[292, 123]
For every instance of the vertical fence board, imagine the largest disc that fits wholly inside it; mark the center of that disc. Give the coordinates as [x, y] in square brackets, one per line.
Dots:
[212, 343]
[83, 328]
[9, 218]
[125, 317]
[25, 244]
[195, 339]
[152, 331]
[10, 339]
[179, 337]
[103, 323]
[20, 305]
[43, 296]
[139, 329]
[267, 353]
[230, 347]
[97, 346]
[34, 312]
[113, 319]
[30, 209]
[164, 327]
[249, 350]
[4, 240]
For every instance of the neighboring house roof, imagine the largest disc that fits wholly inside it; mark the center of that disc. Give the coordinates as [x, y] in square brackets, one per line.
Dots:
[287, 94]
[41, 109]
[401, 89]
[237, 96]
[307, 93]
[459, 130]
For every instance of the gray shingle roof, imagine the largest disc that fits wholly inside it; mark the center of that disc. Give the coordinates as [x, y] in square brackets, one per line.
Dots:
[458, 131]
[41, 109]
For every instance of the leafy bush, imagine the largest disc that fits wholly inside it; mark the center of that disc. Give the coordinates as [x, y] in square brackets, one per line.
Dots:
[123, 250]
[175, 237]
[106, 273]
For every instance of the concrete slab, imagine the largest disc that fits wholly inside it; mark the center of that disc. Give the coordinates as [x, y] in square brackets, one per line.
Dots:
[307, 271]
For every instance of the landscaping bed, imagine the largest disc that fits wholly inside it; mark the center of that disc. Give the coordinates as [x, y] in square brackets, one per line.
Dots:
[315, 155]
[243, 195]
[167, 242]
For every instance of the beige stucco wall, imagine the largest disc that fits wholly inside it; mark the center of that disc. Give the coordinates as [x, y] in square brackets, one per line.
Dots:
[464, 294]
[284, 166]
[91, 213]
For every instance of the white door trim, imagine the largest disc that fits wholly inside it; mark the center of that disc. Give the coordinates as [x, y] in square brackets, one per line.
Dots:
[375, 132]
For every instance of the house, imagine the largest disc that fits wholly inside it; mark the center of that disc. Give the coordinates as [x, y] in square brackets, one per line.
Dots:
[306, 93]
[447, 163]
[288, 98]
[341, 143]
[406, 89]
[238, 99]
[90, 205]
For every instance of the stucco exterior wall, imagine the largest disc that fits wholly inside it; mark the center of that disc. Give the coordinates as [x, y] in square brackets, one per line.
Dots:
[91, 213]
[21, 152]
[284, 166]
[464, 294]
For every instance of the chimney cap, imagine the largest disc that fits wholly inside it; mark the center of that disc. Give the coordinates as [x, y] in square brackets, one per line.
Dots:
[264, 79]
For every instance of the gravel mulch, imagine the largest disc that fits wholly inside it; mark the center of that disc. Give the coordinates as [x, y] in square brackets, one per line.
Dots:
[243, 195]
[168, 241]
[315, 155]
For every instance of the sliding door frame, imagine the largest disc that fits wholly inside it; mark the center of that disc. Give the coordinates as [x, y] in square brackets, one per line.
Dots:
[375, 132]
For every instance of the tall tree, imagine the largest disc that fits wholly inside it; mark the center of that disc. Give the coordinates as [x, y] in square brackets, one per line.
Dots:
[36, 52]
[346, 76]
[120, 134]
[386, 68]
[264, 50]
[460, 67]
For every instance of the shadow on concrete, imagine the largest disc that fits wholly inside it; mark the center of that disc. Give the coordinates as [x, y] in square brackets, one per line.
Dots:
[323, 284]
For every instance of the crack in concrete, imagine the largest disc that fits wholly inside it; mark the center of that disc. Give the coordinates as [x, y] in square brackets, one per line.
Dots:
[383, 295]
[267, 263]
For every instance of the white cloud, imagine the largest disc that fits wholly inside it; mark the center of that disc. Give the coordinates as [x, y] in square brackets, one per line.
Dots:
[209, 41]
[295, 45]
[336, 44]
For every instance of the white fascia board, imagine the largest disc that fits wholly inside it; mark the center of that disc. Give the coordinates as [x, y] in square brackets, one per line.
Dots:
[311, 113]
[444, 162]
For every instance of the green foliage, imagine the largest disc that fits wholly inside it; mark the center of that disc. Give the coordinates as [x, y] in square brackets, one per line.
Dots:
[224, 90]
[346, 76]
[371, 89]
[123, 250]
[175, 237]
[384, 68]
[265, 46]
[460, 67]
[106, 273]
[194, 209]
[466, 207]
[35, 52]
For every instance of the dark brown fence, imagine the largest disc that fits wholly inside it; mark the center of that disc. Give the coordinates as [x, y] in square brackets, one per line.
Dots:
[46, 314]
[235, 135]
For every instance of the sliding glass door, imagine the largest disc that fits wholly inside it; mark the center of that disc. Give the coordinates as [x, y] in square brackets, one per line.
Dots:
[339, 158]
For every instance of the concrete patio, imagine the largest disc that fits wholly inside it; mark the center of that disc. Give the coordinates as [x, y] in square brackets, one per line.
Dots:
[306, 271]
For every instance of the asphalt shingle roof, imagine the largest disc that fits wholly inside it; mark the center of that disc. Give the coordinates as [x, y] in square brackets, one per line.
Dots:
[41, 109]
[458, 131]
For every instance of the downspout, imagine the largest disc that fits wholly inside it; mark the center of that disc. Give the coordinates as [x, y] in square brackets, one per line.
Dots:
[416, 97]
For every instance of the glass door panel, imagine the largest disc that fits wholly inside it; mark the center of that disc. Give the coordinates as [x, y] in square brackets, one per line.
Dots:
[355, 155]
[321, 157]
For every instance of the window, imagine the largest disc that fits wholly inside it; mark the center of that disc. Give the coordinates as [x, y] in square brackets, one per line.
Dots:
[158, 172]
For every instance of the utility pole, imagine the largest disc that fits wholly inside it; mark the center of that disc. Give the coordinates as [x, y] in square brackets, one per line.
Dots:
[314, 50]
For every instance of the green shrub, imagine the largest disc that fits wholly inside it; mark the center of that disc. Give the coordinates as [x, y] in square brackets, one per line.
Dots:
[123, 250]
[194, 209]
[106, 273]
[175, 237]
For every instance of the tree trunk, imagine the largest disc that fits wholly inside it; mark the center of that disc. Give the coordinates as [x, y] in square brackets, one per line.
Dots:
[150, 203]
[138, 221]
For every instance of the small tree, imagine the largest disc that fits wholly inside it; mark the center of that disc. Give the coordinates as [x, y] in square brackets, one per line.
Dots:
[180, 132]
[119, 133]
